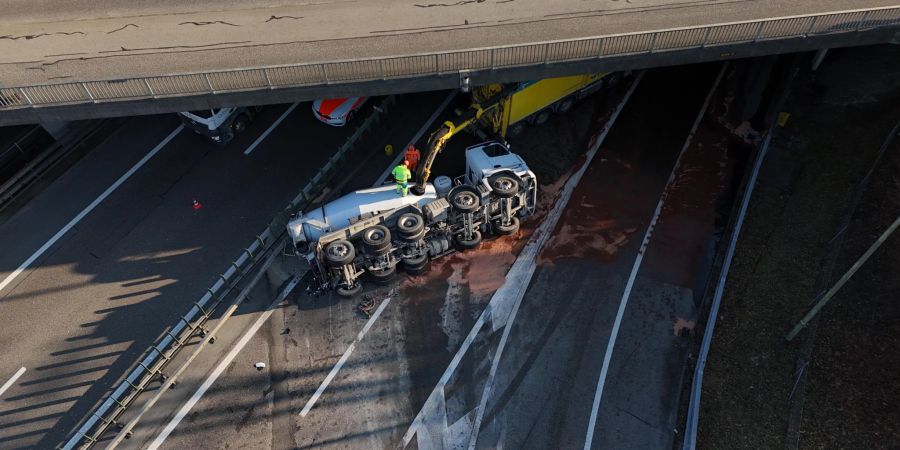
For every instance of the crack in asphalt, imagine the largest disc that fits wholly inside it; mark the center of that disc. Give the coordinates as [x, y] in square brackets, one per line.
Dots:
[122, 28]
[283, 17]
[213, 22]
[459, 3]
[29, 37]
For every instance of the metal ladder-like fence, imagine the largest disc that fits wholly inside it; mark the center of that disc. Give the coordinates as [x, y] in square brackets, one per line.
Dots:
[439, 63]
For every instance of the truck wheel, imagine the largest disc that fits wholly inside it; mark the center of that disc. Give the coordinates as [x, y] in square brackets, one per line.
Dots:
[411, 227]
[240, 124]
[507, 230]
[377, 239]
[344, 291]
[415, 262]
[463, 244]
[464, 200]
[383, 276]
[516, 129]
[542, 116]
[504, 186]
[339, 253]
[565, 104]
[417, 270]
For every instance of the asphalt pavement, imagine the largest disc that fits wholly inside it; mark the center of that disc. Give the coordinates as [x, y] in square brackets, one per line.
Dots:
[336, 378]
[78, 318]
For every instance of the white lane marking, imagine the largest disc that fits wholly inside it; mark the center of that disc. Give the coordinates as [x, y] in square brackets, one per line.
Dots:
[415, 138]
[610, 345]
[9, 279]
[12, 380]
[186, 408]
[269, 130]
[517, 279]
[344, 358]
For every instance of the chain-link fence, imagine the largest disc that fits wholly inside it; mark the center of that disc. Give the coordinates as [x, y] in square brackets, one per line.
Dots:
[370, 69]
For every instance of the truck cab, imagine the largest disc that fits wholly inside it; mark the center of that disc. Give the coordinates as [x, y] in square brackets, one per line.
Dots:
[488, 161]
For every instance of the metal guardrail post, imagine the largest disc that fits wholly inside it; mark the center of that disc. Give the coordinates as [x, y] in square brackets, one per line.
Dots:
[860, 23]
[88, 92]
[208, 83]
[812, 24]
[22, 90]
[759, 31]
[149, 89]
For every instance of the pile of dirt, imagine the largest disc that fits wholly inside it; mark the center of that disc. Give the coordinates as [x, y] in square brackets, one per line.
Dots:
[838, 119]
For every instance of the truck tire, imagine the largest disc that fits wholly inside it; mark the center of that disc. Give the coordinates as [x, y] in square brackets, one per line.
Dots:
[505, 186]
[377, 239]
[463, 244]
[411, 227]
[464, 200]
[565, 104]
[384, 276]
[507, 230]
[516, 128]
[415, 261]
[344, 291]
[240, 124]
[417, 270]
[339, 253]
[542, 117]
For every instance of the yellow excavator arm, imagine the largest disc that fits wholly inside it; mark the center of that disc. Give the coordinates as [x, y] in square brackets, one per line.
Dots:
[438, 139]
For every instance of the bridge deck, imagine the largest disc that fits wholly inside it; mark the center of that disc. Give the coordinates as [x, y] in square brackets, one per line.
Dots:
[46, 42]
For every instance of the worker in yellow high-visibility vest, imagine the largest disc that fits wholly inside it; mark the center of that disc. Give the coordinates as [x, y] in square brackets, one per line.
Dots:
[402, 175]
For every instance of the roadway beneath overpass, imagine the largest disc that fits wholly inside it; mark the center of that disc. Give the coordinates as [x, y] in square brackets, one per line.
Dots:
[43, 42]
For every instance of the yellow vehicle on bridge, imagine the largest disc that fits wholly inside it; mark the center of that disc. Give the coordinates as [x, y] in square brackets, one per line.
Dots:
[531, 102]
[501, 110]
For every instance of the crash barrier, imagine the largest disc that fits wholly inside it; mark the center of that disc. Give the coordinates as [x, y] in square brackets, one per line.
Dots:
[440, 63]
[48, 155]
[152, 363]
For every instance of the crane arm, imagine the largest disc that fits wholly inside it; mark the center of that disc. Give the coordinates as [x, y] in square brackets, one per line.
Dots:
[438, 139]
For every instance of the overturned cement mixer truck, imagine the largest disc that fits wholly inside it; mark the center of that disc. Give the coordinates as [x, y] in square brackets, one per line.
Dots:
[370, 232]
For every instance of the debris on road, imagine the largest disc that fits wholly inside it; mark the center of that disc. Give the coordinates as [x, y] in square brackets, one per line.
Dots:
[260, 365]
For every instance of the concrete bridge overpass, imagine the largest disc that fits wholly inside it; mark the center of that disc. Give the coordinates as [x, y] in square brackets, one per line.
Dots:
[99, 58]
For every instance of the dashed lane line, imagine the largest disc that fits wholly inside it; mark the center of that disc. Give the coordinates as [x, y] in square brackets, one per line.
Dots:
[11, 381]
[186, 408]
[275, 124]
[416, 138]
[31, 259]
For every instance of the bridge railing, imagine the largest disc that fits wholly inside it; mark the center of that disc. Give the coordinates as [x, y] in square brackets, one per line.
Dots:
[442, 63]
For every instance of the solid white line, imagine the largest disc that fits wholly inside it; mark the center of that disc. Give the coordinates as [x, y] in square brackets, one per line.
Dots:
[12, 380]
[516, 283]
[9, 279]
[415, 138]
[610, 345]
[186, 408]
[344, 358]
[269, 130]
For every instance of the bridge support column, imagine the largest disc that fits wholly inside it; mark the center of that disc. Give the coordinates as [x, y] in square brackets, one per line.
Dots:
[56, 129]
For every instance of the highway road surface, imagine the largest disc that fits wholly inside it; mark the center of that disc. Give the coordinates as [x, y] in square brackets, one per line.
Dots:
[98, 264]
[45, 41]
[335, 378]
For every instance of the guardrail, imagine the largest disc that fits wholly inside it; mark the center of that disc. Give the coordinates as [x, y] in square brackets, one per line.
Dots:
[153, 362]
[430, 64]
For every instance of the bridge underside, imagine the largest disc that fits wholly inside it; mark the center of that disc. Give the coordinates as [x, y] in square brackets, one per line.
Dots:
[262, 96]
